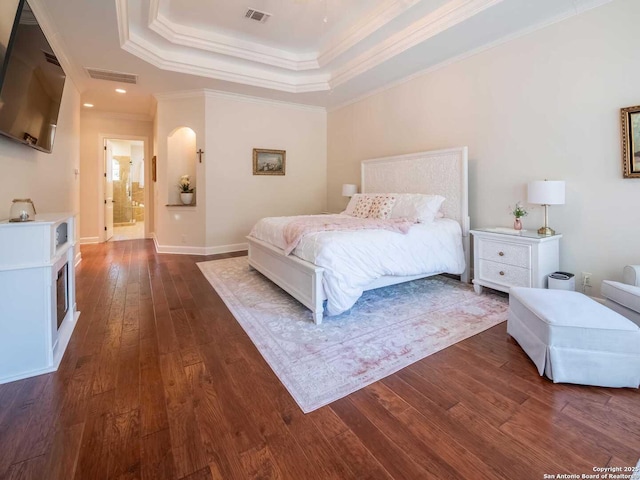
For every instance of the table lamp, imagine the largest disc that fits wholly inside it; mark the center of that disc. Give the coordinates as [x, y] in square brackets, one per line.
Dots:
[545, 193]
[349, 190]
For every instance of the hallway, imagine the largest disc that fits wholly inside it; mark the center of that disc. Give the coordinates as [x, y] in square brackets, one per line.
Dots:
[134, 231]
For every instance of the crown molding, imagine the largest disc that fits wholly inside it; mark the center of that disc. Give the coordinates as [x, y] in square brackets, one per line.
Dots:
[450, 14]
[585, 6]
[122, 16]
[445, 17]
[223, 70]
[227, 45]
[234, 60]
[199, 38]
[376, 19]
[261, 100]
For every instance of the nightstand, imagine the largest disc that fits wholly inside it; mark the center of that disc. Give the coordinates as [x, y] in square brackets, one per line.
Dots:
[505, 258]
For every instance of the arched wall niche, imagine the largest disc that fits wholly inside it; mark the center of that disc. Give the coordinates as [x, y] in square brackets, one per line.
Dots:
[181, 160]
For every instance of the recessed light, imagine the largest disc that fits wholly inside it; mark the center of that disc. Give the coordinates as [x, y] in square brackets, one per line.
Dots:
[121, 90]
[88, 105]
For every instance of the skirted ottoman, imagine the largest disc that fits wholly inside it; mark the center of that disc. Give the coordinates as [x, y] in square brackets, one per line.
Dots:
[574, 339]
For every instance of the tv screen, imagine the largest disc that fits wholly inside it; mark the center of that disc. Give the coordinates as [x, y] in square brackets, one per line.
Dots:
[8, 9]
[31, 82]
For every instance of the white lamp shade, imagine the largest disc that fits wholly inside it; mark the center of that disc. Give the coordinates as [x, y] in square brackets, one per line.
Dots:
[349, 190]
[546, 192]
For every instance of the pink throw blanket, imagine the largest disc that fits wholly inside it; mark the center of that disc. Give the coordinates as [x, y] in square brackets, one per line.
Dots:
[296, 229]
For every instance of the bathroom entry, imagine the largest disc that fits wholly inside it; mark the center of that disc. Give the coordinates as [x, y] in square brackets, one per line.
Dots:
[124, 189]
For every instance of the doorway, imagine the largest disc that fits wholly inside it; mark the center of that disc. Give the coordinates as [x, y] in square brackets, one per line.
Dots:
[124, 189]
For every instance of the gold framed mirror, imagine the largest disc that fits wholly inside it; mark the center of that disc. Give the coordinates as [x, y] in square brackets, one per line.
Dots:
[630, 141]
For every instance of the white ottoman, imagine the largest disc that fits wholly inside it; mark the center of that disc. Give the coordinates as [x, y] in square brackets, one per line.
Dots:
[574, 339]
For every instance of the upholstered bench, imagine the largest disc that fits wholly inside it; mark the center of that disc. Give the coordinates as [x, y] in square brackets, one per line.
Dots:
[574, 339]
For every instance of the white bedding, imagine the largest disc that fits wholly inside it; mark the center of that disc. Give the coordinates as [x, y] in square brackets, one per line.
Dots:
[353, 259]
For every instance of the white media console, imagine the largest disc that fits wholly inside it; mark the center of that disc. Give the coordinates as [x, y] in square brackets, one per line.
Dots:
[37, 294]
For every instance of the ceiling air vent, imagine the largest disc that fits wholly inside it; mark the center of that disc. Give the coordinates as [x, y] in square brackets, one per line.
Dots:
[112, 76]
[257, 15]
[51, 58]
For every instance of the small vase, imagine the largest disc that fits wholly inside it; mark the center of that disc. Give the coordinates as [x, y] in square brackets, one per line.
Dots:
[517, 224]
[186, 198]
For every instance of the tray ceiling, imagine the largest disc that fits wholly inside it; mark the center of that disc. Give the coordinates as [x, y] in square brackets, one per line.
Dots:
[314, 52]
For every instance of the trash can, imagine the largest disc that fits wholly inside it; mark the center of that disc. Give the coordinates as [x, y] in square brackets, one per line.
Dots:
[562, 281]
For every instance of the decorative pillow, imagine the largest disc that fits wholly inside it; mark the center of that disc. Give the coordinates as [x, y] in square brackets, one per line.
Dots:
[363, 206]
[416, 206]
[382, 206]
[351, 206]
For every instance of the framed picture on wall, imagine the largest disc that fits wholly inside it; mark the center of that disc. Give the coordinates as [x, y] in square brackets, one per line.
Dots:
[631, 141]
[269, 162]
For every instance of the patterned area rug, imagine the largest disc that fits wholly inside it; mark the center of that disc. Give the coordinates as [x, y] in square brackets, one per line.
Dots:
[387, 329]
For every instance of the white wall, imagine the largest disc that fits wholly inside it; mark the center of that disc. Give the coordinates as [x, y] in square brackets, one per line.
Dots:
[542, 106]
[230, 199]
[179, 229]
[48, 179]
[236, 198]
[95, 125]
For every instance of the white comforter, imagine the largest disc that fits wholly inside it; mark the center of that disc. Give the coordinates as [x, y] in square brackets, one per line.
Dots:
[353, 259]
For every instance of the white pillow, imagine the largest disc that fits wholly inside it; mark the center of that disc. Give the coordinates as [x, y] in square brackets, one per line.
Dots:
[416, 206]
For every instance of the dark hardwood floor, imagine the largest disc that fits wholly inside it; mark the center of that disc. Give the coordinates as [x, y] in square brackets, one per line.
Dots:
[160, 382]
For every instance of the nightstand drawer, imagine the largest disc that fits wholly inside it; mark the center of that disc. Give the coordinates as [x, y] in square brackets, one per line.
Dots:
[503, 252]
[504, 274]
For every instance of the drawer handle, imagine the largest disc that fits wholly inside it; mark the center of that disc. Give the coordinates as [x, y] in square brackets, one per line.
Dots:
[501, 254]
[502, 273]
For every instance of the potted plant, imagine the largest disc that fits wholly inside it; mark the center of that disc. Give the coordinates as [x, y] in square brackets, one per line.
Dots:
[186, 192]
[518, 212]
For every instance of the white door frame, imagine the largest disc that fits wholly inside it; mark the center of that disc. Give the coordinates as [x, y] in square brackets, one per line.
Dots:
[103, 137]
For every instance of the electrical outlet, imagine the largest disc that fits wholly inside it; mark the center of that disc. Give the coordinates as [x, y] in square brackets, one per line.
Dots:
[184, 240]
[586, 279]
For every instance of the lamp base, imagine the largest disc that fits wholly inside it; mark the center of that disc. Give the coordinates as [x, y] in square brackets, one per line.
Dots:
[546, 231]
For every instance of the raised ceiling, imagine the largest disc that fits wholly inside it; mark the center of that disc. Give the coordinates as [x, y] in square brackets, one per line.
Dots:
[314, 52]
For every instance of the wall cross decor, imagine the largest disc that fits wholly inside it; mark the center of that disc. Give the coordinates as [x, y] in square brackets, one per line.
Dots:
[200, 152]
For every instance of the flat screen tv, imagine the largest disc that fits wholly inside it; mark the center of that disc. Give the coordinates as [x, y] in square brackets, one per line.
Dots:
[31, 79]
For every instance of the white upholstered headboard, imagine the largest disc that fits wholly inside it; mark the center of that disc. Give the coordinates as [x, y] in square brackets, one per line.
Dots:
[440, 172]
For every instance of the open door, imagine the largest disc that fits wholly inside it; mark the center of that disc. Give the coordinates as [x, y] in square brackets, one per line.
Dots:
[108, 191]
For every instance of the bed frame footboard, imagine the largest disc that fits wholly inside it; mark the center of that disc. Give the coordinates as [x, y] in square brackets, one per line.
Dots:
[301, 279]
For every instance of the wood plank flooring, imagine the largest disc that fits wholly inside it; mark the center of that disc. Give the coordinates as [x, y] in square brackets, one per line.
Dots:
[160, 382]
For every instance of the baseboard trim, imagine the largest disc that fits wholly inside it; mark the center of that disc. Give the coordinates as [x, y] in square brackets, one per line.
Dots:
[235, 247]
[185, 250]
[89, 240]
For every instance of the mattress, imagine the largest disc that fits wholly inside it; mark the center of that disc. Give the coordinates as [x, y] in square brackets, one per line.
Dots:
[354, 259]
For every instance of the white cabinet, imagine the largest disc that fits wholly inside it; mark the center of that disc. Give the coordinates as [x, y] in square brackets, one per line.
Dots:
[37, 294]
[505, 258]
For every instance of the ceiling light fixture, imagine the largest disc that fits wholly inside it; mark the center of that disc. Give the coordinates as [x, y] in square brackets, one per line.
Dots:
[121, 90]
[88, 105]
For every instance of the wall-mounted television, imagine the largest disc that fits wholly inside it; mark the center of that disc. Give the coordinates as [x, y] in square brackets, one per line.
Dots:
[31, 79]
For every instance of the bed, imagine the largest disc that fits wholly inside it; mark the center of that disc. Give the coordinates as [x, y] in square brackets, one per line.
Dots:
[441, 172]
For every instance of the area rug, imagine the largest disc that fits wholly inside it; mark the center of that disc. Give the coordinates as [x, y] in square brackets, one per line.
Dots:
[386, 330]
